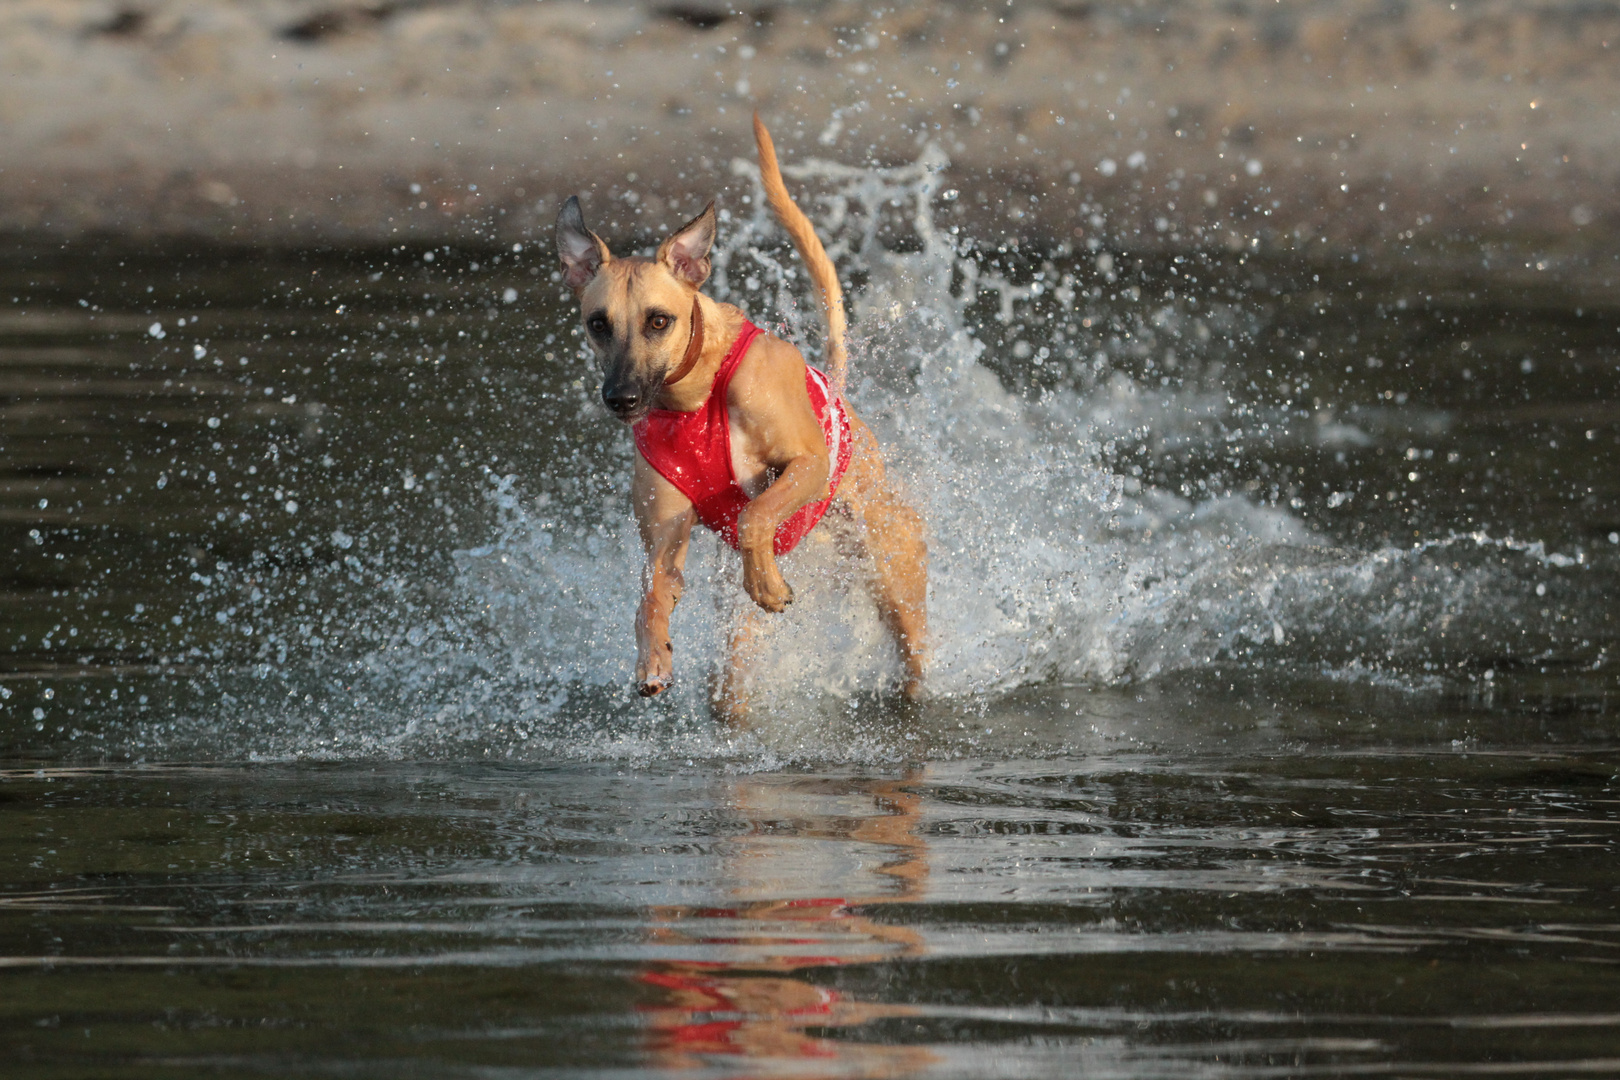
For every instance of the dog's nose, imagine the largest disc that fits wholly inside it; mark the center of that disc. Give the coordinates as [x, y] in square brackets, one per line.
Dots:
[623, 402]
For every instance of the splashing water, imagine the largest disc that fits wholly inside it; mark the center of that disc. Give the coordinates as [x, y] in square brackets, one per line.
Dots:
[1046, 564]
[1056, 560]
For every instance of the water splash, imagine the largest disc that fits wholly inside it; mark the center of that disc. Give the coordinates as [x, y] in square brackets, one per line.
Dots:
[1053, 561]
[1047, 564]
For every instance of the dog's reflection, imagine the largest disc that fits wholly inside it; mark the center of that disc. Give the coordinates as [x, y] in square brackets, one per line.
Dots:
[753, 994]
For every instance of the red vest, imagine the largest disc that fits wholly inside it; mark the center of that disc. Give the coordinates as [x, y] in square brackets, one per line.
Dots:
[692, 450]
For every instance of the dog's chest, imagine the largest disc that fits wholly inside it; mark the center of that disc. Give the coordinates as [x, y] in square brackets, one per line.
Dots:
[747, 462]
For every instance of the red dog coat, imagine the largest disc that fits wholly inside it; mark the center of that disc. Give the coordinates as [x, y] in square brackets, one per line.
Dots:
[692, 450]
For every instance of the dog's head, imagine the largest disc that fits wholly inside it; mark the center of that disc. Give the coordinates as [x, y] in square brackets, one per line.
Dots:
[637, 312]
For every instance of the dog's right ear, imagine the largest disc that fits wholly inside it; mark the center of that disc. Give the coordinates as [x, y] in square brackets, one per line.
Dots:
[581, 251]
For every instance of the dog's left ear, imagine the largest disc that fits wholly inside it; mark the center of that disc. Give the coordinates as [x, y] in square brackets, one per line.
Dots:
[581, 251]
[686, 254]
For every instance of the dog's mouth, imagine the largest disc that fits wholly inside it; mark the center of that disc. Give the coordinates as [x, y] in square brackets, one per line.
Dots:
[629, 414]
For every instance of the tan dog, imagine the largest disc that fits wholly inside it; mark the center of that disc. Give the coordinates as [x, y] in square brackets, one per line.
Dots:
[661, 344]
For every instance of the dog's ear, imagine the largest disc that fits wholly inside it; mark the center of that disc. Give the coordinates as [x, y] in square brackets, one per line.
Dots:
[581, 251]
[686, 254]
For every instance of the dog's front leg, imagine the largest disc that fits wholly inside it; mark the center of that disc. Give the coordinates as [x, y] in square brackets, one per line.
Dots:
[801, 481]
[664, 517]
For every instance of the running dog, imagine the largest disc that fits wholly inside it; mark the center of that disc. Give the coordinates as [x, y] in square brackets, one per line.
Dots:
[733, 429]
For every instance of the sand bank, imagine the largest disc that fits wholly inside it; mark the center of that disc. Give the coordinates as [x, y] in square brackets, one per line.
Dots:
[1341, 123]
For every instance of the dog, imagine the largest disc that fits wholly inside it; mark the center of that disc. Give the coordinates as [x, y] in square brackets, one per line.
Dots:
[734, 430]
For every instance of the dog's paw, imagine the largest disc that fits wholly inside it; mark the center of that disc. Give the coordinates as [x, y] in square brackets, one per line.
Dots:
[776, 600]
[768, 588]
[655, 666]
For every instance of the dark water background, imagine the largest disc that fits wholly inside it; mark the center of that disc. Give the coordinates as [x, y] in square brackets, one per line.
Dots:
[283, 793]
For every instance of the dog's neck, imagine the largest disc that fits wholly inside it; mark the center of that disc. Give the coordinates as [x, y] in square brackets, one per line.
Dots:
[694, 345]
[719, 325]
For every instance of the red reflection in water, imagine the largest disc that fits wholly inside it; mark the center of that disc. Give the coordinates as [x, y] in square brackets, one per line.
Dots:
[760, 1006]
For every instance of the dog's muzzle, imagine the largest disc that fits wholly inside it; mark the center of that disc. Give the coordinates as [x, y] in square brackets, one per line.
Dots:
[628, 398]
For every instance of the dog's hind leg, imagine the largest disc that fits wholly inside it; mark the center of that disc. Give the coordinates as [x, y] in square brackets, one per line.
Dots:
[731, 692]
[895, 539]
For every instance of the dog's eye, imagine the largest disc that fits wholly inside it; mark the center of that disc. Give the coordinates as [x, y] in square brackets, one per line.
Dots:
[596, 324]
[659, 322]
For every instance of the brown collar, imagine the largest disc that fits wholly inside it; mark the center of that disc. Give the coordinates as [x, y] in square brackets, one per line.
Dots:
[694, 347]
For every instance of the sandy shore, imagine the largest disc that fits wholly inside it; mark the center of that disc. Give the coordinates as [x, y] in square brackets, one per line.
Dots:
[1345, 123]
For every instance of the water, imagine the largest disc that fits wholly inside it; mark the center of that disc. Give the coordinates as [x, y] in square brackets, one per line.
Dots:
[1359, 912]
[1271, 729]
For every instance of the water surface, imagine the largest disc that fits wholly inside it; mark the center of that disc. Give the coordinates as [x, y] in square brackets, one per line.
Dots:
[1271, 733]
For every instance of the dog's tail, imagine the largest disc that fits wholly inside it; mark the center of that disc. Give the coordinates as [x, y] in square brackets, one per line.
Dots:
[822, 272]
